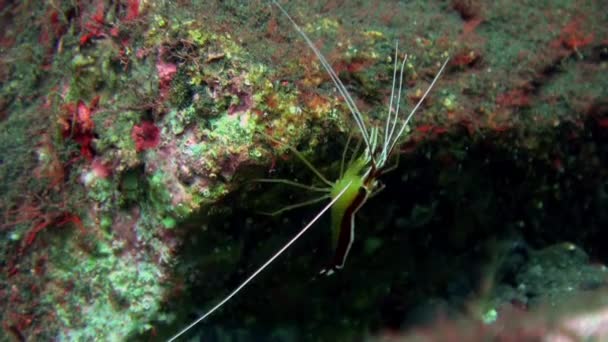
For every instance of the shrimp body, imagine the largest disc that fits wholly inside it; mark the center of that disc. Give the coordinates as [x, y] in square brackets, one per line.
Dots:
[380, 142]
[357, 183]
[344, 210]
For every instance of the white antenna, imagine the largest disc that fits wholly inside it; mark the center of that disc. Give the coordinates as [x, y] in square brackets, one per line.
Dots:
[334, 77]
[391, 144]
[254, 274]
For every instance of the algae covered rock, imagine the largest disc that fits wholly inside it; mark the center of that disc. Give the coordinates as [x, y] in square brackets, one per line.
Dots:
[133, 135]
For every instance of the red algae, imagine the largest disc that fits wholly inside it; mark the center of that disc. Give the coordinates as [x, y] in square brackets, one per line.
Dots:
[145, 135]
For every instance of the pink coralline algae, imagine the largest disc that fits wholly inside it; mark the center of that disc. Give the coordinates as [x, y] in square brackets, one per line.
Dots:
[145, 135]
[78, 125]
[165, 71]
[100, 169]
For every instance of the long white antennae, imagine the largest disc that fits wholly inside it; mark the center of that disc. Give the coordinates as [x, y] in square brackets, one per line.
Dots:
[268, 262]
[385, 152]
[334, 77]
[409, 117]
[390, 104]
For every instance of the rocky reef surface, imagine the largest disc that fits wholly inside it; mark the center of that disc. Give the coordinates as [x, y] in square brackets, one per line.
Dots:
[132, 134]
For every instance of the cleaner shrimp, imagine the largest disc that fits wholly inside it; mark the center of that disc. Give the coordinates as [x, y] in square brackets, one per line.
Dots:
[358, 181]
